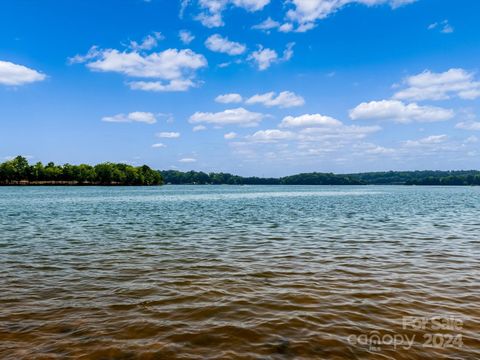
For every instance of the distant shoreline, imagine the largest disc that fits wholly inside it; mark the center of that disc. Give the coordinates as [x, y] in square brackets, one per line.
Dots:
[67, 184]
[76, 184]
[18, 172]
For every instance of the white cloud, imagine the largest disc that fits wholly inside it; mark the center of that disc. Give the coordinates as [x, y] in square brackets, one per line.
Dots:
[468, 125]
[187, 160]
[136, 116]
[271, 135]
[309, 120]
[311, 142]
[173, 69]
[306, 12]
[158, 146]
[427, 141]
[148, 42]
[15, 75]
[219, 44]
[263, 58]
[378, 150]
[211, 14]
[158, 86]
[199, 128]
[186, 36]
[288, 52]
[238, 116]
[169, 64]
[443, 26]
[440, 86]
[183, 6]
[230, 135]
[267, 24]
[210, 20]
[251, 5]
[285, 99]
[397, 111]
[168, 135]
[340, 133]
[229, 98]
[287, 27]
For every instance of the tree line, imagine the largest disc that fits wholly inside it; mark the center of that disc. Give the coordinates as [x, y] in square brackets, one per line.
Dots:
[424, 177]
[19, 171]
[199, 177]
[470, 177]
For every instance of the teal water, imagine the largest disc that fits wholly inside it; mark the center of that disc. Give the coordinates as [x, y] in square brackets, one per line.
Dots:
[236, 272]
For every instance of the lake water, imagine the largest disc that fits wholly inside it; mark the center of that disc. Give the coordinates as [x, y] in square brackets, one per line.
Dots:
[239, 272]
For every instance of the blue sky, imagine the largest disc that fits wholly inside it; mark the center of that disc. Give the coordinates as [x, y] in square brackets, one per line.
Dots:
[252, 87]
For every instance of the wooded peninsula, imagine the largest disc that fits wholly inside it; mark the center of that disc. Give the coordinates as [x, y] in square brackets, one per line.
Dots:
[18, 171]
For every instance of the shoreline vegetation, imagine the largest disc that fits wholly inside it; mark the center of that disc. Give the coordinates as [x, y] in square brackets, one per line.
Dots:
[18, 171]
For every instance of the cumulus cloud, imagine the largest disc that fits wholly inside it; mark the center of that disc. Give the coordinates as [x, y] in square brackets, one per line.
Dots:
[429, 140]
[171, 69]
[168, 135]
[339, 133]
[313, 142]
[440, 86]
[251, 5]
[186, 36]
[148, 42]
[306, 12]
[285, 99]
[308, 120]
[230, 135]
[400, 112]
[468, 125]
[342, 133]
[187, 160]
[267, 24]
[229, 98]
[136, 116]
[211, 10]
[239, 116]
[15, 75]
[263, 58]
[220, 44]
[301, 15]
[271, 135]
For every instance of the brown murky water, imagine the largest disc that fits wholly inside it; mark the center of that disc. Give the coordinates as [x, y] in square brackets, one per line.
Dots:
[240, 273]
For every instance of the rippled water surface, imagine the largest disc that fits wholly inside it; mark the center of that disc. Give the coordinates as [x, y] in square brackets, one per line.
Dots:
[224, 272]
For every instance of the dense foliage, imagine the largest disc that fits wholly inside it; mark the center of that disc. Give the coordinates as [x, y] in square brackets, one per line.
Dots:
[19, 170]
[194, 177]
[469, 177]
[375, 178]
[201, 178]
